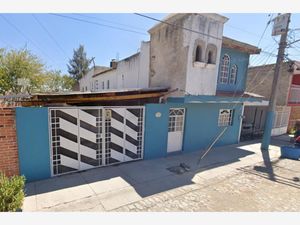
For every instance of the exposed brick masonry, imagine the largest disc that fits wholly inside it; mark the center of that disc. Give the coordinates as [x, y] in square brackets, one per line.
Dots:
[9, 163]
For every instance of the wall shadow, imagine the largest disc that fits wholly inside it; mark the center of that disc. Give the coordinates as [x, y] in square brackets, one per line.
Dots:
[147, 177]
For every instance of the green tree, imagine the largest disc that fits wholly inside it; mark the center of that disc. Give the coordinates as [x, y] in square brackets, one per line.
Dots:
[21, 64]
[55, 82]
[15, 64]
[79, 64]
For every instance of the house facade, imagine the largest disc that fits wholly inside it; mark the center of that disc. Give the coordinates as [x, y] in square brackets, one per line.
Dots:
[204, 73]
[259, 79]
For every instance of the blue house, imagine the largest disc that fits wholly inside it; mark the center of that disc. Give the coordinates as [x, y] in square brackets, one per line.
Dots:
[207, 78]
[196, 90]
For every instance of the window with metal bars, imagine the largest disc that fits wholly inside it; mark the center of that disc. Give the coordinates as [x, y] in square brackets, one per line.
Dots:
[224, 70]
[225, 117]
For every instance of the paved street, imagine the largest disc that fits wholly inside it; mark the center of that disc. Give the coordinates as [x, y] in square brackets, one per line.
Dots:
[249, 189]
[231, 178]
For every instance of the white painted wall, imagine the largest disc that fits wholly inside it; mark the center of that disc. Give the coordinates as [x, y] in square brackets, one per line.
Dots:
[133, 72]
[201, 78]
[103, 78]
[144, 66]
[85, 81]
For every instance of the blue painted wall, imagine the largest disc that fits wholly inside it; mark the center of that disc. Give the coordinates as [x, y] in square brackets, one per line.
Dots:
[201, 127]
[33, 142]
[241, 59]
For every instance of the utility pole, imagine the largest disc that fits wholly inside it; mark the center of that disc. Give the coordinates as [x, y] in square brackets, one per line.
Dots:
[274, 92]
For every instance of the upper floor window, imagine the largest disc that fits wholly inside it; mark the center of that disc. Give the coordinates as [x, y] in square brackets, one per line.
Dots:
[211, 54]
[233, 74]
[103, 85]
[96, 85]
[224, 70]
[107, 84]
[198, 55]
[199, 51]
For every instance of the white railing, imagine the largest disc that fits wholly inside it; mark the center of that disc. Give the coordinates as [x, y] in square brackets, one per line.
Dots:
[282, 116]
[294, 96]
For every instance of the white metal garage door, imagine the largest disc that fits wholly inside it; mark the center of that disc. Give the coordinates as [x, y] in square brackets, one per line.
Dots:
[86, 137]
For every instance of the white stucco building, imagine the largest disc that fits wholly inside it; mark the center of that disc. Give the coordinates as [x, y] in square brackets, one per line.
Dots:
[131, 72]
[174, 58]
[183, 54]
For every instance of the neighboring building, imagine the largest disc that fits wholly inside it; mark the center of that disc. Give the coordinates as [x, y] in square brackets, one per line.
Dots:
[177, 94]
[131, 72]
[86, 83]
[294, 96]
[259, 80]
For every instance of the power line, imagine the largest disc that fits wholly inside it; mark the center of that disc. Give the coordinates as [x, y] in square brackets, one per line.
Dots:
[49, 34]
[24, 36]
[174, 25]
[268, 23]
[96, 23]
[108, 21]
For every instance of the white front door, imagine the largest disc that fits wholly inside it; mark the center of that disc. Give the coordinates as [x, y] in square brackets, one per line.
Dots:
[176, 125]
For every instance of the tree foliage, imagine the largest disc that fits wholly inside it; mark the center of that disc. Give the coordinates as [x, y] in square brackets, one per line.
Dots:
[79, 64]
[17, 64]
[55, 82]
[22, 64]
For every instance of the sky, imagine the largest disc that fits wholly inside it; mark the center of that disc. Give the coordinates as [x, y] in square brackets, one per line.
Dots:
[53, 37]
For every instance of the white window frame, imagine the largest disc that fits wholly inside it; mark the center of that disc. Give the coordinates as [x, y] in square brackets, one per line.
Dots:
[225, 118]
[103, 87]
[233, 74]
[176, 119]
[107, 84]
[224, 70]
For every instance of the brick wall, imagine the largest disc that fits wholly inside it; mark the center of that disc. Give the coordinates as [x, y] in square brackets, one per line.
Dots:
[9, 163]
[260, 78]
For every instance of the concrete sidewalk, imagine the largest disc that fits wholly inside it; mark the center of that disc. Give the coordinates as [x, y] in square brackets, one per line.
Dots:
[111, 188]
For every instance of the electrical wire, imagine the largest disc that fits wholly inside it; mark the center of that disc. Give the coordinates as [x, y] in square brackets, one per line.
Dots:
[24, 36]
[174, 25]
[220, 134]
[109, 21]
[96, 23]
[268, 23]
[50, 35]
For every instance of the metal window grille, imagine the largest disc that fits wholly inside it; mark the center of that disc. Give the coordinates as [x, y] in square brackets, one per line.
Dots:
[282, 115]
[55, 141]
[176, 118]
[224, 72]
[225, 117]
